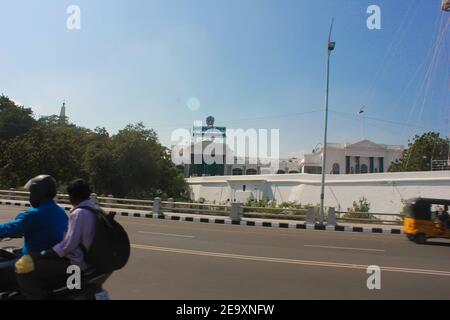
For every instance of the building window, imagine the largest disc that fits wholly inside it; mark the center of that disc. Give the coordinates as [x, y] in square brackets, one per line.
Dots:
[198, 169]
[209, 169]
[335, 169]
[364, 168]
[357, 165]
[237, 172]
[219, 169]
[371, 165]
[381, 164]
[347, 165]
[243, 187]
[251, 172]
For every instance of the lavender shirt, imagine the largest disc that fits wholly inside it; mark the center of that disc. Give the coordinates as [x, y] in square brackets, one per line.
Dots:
[80, 231]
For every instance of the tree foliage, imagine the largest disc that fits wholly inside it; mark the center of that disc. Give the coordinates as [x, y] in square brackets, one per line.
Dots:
[14, 120]
[421, 150]
[131, 163]
[50, 150]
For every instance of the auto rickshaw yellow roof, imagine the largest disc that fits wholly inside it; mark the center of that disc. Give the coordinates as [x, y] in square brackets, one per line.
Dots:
[430, 200]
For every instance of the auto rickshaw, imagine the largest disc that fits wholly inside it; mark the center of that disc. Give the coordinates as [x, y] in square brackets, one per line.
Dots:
[421, 221]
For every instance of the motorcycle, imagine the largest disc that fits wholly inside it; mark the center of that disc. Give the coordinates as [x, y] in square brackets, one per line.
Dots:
[91, 281]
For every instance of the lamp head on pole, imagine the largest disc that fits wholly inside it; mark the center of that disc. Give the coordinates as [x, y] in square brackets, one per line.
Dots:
[361, 111]
[331, 44]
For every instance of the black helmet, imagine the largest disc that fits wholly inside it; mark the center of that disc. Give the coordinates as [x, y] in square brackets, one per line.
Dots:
[41, 188]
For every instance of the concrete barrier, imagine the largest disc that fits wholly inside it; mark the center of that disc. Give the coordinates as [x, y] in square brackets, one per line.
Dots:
[310, 218]
[236, 211]
[156, 209]
[383, 230]
[94, 198]
[170, 204]
[331, 218]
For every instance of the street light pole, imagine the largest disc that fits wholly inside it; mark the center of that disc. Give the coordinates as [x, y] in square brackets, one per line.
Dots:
[331, 46]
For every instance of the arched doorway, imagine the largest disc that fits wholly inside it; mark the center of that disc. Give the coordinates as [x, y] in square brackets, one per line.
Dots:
[281, 172]
[336, 169]
[364, 169]
[251, 172]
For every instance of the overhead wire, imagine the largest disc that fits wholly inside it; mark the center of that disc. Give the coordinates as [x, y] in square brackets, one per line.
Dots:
[434, 62]
[429, 76]
[391, 50]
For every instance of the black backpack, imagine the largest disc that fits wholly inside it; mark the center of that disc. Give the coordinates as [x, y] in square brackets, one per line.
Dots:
[110, 248]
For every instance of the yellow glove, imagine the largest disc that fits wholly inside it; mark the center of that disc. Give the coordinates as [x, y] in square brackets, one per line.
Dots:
[25, 265]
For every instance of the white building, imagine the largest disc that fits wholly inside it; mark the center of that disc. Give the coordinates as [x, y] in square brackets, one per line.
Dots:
[342, 158]
[209, 155]
[288, 166]
[198, 157]
[352, 158]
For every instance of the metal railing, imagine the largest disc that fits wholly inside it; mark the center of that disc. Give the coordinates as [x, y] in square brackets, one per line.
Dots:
[439, 165]
[235, 210]
[202, 208]
[369, 217]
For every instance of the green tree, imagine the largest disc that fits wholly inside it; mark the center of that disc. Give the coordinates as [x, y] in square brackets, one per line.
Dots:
[14, 120]
[99, 163]
[54, 150]
[421, 150]
[135, 150]
[52, 121]
[169, 178]
[132, 163]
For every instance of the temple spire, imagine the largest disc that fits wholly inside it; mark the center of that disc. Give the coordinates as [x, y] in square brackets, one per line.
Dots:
[62, 114]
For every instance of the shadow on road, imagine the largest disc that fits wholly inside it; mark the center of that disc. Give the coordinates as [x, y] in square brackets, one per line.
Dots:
[437, 243]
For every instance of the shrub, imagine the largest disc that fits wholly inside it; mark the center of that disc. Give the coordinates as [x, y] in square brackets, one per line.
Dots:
[291, 204]
[359, 209]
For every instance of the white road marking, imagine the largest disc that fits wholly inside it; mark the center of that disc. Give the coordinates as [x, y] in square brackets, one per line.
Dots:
[267, 231]
[291, 261]
[167, 234]
[343, 248]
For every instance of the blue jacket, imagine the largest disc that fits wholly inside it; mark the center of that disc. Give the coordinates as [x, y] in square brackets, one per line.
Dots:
[41, 227]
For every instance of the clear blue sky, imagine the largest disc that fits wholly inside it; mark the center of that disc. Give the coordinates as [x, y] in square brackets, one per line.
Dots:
[241, 59]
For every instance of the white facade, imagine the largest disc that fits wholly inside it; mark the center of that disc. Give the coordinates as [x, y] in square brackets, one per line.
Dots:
[192, 161]
[361, 157]
[346, 158]
[384, 191]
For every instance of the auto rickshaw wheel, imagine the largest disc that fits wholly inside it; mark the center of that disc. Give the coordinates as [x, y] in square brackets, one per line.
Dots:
[420, 238]
[410, 237]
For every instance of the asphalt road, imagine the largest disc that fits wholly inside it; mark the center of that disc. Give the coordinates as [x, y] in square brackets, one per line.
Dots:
[187, 260]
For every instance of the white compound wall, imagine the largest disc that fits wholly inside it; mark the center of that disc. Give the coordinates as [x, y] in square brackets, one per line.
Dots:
[384, 191]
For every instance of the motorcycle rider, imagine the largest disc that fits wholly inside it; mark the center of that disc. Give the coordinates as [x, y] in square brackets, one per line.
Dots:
[42, 226]
[69, 251]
